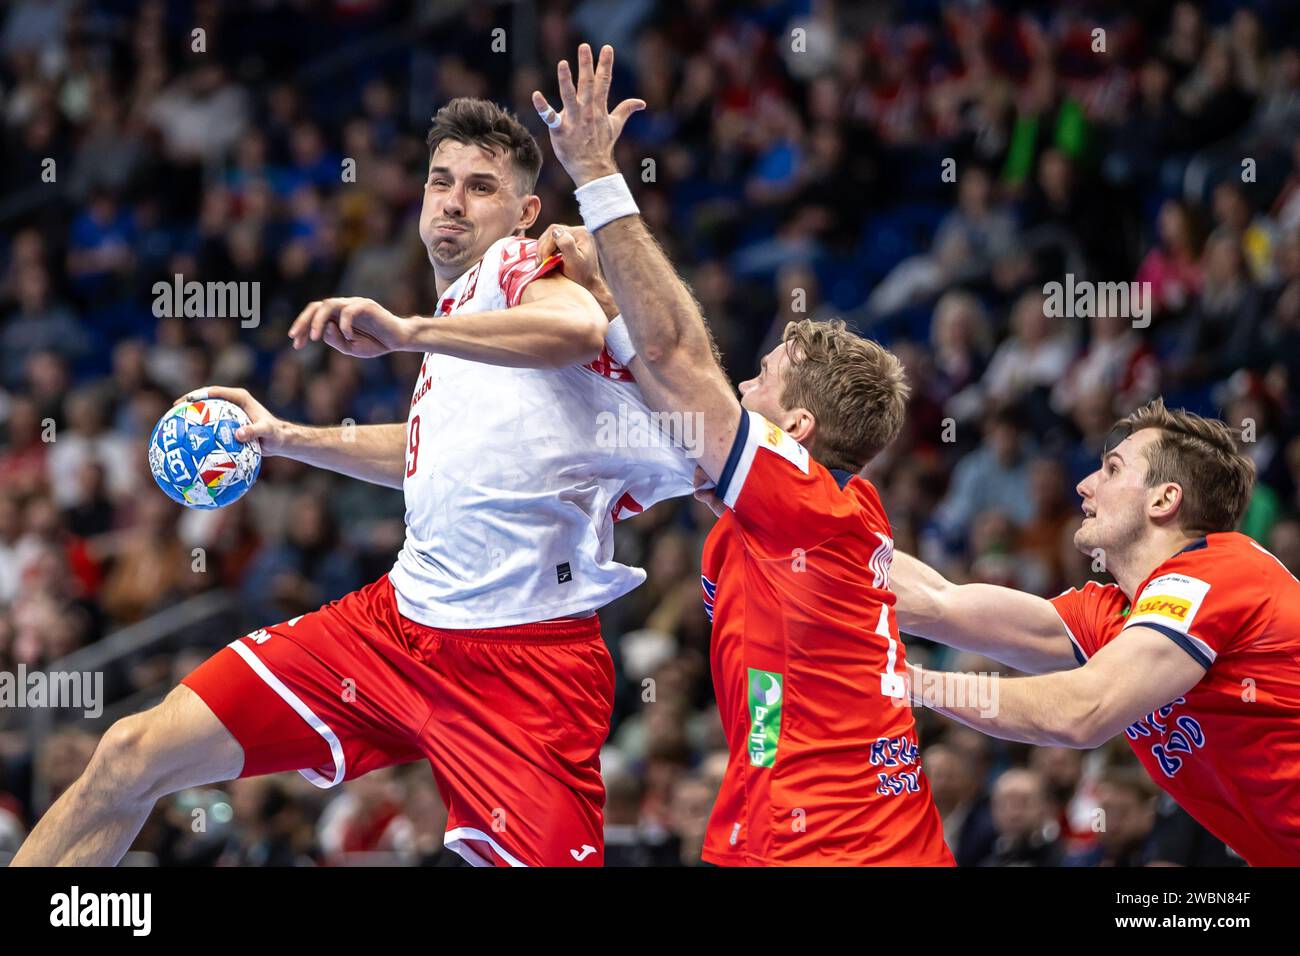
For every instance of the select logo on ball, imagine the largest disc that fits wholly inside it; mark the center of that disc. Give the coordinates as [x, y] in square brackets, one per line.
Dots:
[196, 459]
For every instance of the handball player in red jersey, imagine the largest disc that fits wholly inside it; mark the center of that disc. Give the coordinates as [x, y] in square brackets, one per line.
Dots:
[796, 570]
[1193, 653]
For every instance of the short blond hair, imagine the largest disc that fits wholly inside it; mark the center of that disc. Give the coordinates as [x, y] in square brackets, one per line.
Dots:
[1199, 455]
[855, 388]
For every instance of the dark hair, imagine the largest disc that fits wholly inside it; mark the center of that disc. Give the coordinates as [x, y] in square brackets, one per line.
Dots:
[484, 123]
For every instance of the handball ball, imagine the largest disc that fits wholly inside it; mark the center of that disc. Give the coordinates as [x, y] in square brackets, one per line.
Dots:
[195, 457]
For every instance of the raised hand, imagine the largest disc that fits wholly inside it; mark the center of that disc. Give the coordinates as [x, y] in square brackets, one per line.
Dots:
[354, 326]
[584, 132]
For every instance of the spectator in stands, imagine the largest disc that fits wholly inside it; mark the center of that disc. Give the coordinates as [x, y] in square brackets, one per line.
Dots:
[310, 568]
[150, 564]
[967, 244]
[1027, 834]
[1034, 358]
[86, 439]
[1071, 794]
[1126, 799]
[1117, 359]
[688, 814]
[963, 805]
[993, 477]
[1221, 333]
[38, 325]
[1173, 265]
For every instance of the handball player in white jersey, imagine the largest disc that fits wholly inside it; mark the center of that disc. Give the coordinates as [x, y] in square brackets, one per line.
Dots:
[481, 650]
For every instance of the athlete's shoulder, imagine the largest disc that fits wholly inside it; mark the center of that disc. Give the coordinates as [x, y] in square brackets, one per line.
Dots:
[1218, 593]
[1246, 556]
[781, 494]
[1225, 561]
[511, 249]
[864, 491]
[1095, 595]
[515, 264]
[771, 437]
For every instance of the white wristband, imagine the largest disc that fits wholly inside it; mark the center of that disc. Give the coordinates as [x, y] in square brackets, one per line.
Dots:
[603, 200]
[619, 342]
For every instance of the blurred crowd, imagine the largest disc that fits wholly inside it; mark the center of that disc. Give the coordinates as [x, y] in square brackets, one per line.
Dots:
[921, 169]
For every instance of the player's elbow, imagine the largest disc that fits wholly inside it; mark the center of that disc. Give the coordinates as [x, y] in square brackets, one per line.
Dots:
[1078, 738]
[924, 602]
[1084, 726]
[660, 347]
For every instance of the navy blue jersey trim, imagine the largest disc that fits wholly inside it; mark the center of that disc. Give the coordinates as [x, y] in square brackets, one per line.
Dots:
[733, 459]
[841, 477]
[1078, 654]
[1179, 638]
[1195, 546]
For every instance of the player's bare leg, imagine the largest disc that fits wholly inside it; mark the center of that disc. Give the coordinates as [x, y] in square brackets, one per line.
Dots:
[178, 744]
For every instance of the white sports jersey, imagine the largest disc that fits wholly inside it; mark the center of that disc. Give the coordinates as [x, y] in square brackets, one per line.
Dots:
[515, 477]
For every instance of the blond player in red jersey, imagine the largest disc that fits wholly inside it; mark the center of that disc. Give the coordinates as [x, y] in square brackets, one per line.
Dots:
[1193, 654]
[802, 546]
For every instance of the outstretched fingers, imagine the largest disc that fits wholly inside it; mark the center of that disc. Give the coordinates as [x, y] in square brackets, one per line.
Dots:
[564, 76]
[586, 81]
[604, 73]
[623, 112]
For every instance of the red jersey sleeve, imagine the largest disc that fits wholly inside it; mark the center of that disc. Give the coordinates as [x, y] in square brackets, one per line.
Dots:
[779, 495]
[1199, 605]
[519, 266]
[1086, 613]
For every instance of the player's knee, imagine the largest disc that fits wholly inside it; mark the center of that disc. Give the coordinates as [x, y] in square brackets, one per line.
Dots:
[119, 765]
[128, 764]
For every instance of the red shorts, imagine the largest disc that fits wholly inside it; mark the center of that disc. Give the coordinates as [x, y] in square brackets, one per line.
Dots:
[511, 719]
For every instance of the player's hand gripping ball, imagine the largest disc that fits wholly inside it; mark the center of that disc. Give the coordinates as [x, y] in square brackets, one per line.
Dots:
[195, 457]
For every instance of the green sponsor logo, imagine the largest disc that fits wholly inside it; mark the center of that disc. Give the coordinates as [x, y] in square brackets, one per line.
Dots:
[765, 693]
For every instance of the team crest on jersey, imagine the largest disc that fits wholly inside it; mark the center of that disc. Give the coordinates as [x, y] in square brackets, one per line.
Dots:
[1170, 600]
[471, 284]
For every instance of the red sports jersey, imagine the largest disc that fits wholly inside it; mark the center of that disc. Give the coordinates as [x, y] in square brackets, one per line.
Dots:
[1229, 749]
[807, 667]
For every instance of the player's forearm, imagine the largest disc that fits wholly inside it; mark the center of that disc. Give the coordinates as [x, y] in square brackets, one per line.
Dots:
[922, 592]
[931, 606]
[554, 332]
[1020, 630]
[600, 291]
[662, 317]
[1051, 710]
[373, 453]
